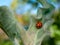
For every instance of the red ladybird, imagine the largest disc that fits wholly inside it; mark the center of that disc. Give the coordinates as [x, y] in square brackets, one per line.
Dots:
[38, 25]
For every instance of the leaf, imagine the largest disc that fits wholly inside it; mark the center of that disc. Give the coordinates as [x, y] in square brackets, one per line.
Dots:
[46, 4]
[14, 4]
[9, 24]
[13, 28]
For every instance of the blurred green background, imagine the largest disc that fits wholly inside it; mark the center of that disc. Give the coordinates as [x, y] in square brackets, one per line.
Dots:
[24, 8]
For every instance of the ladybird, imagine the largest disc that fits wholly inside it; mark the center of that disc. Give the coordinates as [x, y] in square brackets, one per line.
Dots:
[38, 25]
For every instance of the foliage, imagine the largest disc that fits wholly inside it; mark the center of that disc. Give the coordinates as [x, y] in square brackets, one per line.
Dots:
[31, 36]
